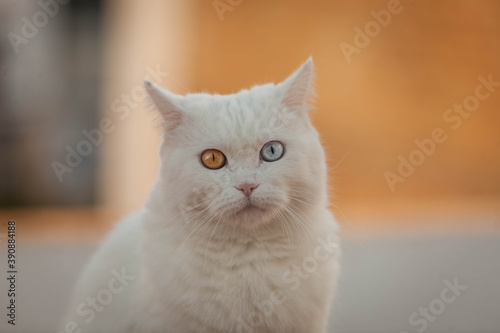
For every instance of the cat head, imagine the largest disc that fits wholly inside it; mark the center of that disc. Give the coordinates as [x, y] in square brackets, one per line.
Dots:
[244, 159]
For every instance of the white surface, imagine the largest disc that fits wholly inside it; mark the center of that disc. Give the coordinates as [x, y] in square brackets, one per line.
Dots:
[384, 281]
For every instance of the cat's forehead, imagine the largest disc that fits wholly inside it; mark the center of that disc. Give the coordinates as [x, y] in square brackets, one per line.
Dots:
[261, 96]
[249, 114]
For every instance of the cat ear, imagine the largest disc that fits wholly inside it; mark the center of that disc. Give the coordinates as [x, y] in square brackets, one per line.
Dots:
[298, 89]
[167, 103]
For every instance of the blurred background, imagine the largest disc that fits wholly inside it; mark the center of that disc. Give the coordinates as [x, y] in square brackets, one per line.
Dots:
[78, 147]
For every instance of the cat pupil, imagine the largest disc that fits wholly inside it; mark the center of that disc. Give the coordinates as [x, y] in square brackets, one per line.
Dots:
[213, 157]
[272, 150]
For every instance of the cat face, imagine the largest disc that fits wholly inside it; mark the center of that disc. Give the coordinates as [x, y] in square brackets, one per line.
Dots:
[245, 159]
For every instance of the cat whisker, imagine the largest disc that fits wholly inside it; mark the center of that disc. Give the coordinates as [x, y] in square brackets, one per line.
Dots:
[200, 226]
[295, 220]
[287, 229]
[190, 219]
[205, 220]
[211, 235]
[300, 219]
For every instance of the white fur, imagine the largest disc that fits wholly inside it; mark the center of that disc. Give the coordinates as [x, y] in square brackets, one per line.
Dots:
[201, 261]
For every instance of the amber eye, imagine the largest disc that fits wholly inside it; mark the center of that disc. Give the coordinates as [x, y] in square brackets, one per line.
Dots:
[213, 159]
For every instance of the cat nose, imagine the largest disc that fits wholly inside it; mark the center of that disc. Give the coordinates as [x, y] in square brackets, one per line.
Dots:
[247, 188]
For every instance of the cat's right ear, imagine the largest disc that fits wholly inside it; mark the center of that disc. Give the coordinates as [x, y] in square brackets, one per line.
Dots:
[167, 104]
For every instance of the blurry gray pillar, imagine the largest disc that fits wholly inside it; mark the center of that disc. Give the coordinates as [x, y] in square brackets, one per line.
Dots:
[49, 92]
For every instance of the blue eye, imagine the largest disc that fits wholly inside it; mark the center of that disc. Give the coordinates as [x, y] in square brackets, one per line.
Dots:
[272, 151]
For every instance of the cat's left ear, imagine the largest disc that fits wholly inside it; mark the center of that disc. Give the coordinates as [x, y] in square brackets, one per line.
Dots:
[298, 89]
[168, 105]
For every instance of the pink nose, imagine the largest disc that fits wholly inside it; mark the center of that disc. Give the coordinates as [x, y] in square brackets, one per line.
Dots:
[247, 188]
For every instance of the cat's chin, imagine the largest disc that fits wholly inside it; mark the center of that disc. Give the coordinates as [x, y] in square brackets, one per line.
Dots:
[251, 216]
[249, 209]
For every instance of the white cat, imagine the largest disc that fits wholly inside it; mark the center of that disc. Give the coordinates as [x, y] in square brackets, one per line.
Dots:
[236, 235]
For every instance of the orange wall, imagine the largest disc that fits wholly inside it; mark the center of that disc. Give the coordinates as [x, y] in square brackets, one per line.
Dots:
[393, 92]
[369, 111]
